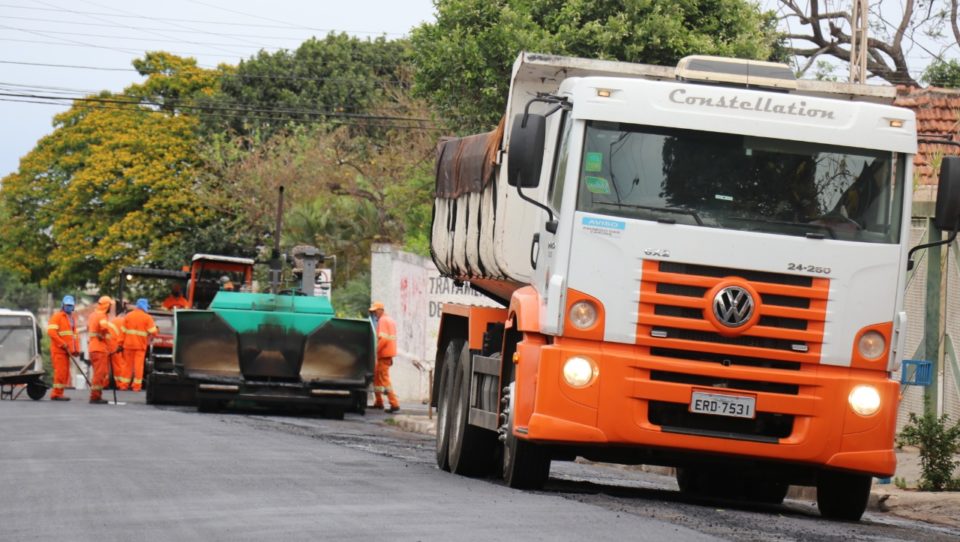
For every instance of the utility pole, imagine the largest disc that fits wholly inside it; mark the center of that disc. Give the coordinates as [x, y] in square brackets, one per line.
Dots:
[858, 42]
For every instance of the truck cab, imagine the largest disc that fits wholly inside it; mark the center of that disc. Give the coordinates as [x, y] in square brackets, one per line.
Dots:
[700, 267]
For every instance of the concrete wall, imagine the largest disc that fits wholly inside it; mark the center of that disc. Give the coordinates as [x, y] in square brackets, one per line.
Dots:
[411, 289]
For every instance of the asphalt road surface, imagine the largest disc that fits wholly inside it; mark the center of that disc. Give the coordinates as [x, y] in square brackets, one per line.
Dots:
[75, 471]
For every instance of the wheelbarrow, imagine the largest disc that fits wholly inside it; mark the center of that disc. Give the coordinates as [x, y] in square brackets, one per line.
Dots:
[13, 382]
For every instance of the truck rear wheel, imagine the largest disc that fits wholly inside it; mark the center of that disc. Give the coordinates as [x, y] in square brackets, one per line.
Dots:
[525, 465]
[444, 392]
[471, 449]
[842, 495]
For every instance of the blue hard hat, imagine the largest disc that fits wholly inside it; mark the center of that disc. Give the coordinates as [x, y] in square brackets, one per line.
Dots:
[142, 304]
[68, 300]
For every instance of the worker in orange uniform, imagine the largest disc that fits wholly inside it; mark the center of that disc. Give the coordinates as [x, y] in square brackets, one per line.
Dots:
[175, 300]
[100, 343]
[64, 342]
[386, 349]
[138, 327]
[122, 374]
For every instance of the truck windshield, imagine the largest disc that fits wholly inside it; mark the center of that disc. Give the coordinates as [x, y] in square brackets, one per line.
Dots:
[740, 182]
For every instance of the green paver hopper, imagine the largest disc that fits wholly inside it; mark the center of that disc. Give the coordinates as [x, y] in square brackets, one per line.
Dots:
[275, 348]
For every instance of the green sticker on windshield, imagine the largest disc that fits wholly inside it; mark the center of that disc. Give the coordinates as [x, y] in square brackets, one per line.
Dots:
[598, 185]
[593, 162]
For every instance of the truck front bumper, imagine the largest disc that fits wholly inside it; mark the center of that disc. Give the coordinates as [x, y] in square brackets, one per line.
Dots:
[641, 400]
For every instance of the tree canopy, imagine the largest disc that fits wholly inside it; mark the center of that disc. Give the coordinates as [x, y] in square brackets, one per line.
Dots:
[111, 186]
[464, 59]
[338, 77]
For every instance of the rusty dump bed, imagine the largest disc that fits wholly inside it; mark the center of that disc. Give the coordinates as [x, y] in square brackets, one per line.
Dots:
[276, 349]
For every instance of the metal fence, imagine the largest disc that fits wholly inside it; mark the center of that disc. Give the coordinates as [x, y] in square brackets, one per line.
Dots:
[933, 331]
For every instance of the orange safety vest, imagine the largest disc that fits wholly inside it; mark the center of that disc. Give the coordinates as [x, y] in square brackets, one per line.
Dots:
[179, 302]
[386, 337]
[116, 329]
[138, 326]
[99, 332]
[62, 329]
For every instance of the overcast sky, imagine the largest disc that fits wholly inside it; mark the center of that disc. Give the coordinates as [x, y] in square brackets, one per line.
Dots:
[98, 39]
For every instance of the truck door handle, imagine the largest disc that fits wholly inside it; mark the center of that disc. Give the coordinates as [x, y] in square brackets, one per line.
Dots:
[535, 250]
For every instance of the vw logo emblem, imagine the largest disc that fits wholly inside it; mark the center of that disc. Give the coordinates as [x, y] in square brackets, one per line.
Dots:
[733, 306]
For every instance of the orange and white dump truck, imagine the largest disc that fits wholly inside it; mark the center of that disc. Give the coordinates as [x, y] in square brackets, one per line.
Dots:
[701, 267]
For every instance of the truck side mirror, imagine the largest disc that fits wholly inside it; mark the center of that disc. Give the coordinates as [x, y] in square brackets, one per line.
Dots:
[525, 154]
[947, 214]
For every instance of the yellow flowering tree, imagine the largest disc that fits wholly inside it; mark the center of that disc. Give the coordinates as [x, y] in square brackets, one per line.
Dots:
[113, 185]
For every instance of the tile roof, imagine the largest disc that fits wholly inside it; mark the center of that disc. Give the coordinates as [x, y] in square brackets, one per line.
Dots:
[938, 118]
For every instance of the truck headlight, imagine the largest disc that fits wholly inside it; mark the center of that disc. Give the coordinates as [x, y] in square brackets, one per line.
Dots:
[871, 344]
[583, 314]
[864, 400]
[580, 372]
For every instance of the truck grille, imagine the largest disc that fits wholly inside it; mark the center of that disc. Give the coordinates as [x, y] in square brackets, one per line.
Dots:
[672, 324]
[674, 298]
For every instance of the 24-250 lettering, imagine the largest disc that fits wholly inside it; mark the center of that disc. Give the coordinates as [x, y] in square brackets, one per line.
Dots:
[808, 268]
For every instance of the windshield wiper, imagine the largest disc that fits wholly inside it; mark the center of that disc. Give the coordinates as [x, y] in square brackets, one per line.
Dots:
[810, 234]
[674, 210]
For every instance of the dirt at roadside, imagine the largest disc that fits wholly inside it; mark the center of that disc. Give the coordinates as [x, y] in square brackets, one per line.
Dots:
[941, 507]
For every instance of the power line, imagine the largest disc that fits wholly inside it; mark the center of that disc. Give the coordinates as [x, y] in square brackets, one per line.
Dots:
[341, 122]
[18, 87]
[201, 21]
[288, 25]
[117, 49]
[183, 31]
[380, 80]
[238, 109]
[47, 65]
[152, 32]
[166, 40]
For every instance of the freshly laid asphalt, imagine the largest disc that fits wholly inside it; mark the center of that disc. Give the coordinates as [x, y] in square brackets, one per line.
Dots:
[76, 471]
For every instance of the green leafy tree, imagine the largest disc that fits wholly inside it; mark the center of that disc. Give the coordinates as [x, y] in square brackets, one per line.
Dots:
[337, 77]
[464, 59]
[943, 73]
[113, 184]
[345, 186]
[16, 294]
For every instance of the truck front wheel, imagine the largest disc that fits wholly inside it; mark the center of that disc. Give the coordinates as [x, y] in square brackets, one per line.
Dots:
[842, 495]
[525, 465]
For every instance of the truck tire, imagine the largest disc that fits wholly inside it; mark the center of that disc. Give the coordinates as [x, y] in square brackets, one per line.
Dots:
[525, 465]
[210, 405]
[842, 495]
[151, 391]
[444, 392]
[471, 449]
